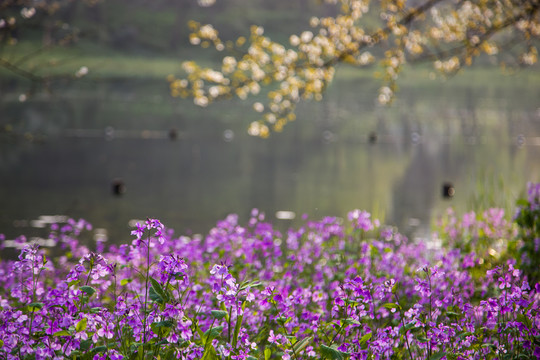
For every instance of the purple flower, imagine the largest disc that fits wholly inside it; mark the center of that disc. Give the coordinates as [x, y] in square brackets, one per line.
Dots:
[114, 355]
[361, 220]
[218, 270]
[537, 352]
[533, 195]
[387, 233]
[138, 232]
[469, 220]
[99, 271]
[272, 338]
[106, 331]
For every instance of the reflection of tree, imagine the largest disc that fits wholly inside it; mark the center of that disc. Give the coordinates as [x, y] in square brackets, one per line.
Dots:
[468, 116]
[434, 161]
[263, 176]
[414, 194]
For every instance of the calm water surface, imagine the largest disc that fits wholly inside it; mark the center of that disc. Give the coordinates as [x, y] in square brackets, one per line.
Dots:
[64, 152]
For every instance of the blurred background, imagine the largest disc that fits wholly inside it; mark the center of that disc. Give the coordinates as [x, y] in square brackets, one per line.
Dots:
[114, 146]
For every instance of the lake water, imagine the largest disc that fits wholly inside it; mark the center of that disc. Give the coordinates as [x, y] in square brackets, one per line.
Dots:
[63, 153]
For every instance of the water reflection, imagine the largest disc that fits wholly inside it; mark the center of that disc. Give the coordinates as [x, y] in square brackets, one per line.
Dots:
[342, 154]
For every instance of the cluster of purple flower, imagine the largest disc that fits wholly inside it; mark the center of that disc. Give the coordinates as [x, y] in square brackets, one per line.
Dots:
[528, 219]
[327, 289]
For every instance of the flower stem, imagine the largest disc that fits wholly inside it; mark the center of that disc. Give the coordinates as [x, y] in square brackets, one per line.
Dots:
[145, 315]
[403, 324]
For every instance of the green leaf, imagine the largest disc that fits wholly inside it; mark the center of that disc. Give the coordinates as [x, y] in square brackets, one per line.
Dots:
[73, 282]
[237, 330]
[99, 349]
[238, 326]
[161, 325]
[210, 354]
[267, 354]
[292, 339]
[35, 306]
[62, 333]
[124, 282]
[422, 339]
[81, 325]
[218, 314]
[159, 343]
[170, 355]
[213, 333]
[374, 251]
[437, 355]
[164, 323]
[197, 328]
[407, 327]
[159, 289]
[154, 296]
[178, 275]
[522, 202]
[88, 290]
[332, 353]
[161, 328]
[351, 321]
[85, 344]
[392, 306]
[302, 344]
[524, 320]
[262, 334]
[252, 284]
[364, 339]
[255, 283]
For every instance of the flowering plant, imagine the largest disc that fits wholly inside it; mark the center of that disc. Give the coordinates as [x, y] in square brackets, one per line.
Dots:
[325, 290]
[528, 219]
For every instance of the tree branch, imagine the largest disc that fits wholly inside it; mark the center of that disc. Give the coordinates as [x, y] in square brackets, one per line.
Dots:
[21, 72]
[466, 46]
[378, 35]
